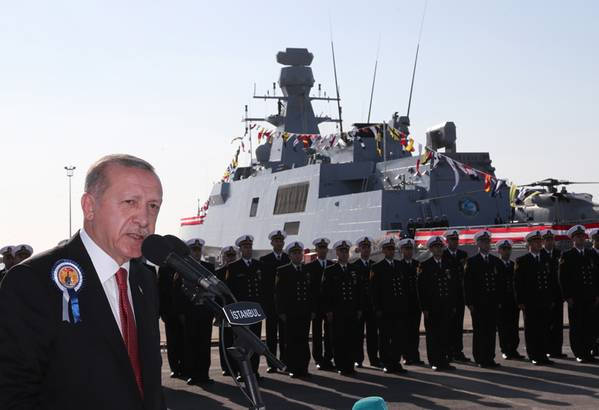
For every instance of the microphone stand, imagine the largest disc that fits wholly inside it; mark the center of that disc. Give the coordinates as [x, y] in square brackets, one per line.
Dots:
[245, 345]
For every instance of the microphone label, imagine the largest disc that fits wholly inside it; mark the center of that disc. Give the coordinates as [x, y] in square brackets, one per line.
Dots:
[244, 313]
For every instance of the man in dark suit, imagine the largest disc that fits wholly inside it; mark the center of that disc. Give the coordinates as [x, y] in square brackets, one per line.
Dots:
[438, 290]
[594, 235]
[483, 294]
[368, 322]
[275, 328]
[342, 300]
[244, 279]
[580, 287]
[229, 255]
[536, 291]
[408, 266]
[556, 336]
[79, 323]
[172, 302]
[321, 331]
[457, 257]
[296, 305]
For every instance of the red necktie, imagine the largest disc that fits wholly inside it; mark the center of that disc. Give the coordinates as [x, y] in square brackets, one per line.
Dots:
[128, 326]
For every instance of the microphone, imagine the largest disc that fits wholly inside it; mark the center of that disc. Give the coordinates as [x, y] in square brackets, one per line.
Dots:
[158, 250]
[181, 249]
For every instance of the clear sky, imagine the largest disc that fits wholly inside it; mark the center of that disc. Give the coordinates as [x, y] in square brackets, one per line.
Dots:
[167, 81]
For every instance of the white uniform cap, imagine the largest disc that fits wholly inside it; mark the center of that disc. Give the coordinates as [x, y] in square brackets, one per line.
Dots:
[576, 229]
[21, 248]
[504, 243]
[321, 241]
[450, 233]
[407, 242]
[435, 240]
[228, 249]
[342, 244]
[484, 234]
[280, 233]
[244, 238]
[294, 245]
[533, 235]
[364, 239]
[390, 241]
[195, 242]
[593, 232]
[6, 249]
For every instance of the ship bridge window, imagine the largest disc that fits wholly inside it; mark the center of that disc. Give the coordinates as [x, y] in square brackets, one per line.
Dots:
[254, 207]
[291, 198]
[291, 228]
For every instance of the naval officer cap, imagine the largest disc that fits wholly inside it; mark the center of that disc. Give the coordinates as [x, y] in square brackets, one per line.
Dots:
[451, 233]
[407, 243]
[195, 242]
[504, 243]
[321, 242]
[576, 230]
[227, 250]
[387, 243]
[548, 233]
[342, 244]
[482, 235]
[294, 245]
[6, 249]
[244, 239]
[22, 248]
[364, 240]
[435, 240]
[594, 233]
[277, 234]
[532, 235]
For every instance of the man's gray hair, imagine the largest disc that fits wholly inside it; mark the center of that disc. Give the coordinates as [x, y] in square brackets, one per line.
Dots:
[96, 181]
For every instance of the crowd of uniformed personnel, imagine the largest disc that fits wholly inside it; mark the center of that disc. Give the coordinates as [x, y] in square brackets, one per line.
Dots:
[342, 304]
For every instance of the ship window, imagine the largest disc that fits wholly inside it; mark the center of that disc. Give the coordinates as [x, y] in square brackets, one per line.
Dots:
[254, 207]
[291, 228]
[291, 198]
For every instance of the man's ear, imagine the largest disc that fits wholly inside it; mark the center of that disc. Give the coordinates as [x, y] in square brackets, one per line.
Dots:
[88, 205]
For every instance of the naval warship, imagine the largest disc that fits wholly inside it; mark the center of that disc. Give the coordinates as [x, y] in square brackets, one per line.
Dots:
[369, 180]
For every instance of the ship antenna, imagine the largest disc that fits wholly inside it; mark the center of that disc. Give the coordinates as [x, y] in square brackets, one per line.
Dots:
[416, 58]
[376, 63]
[336, 82]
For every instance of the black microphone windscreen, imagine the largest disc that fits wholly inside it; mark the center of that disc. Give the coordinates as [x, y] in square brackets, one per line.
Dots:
[156, 249]
[177, 245]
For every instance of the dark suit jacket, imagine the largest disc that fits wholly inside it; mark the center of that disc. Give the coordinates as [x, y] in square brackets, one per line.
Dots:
[389, 289]
[484, 285]
[270, 264]
[535, 282]
[46, 363]
[245, 282]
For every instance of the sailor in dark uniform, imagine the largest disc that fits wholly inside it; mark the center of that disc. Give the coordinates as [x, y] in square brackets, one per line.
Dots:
[198, 327]
[580, 287]
[244, 279]
[483, 294]
[8, 260]
[363, 266]
[295, 303]
[21, 252]
[321, 330]
[408, 266]
[508, 324]
[275, 329]
[229, 255]
[389, 291]
[594, 235]
[556, 337]
[458, 257]
[536, 292]
[437, 291]
[342, 293]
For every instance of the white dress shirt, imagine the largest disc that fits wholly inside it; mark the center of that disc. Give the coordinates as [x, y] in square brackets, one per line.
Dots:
[106, 268]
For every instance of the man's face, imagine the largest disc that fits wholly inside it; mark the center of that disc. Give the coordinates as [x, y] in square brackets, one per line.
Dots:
[342, 255]
[535, 245]
[246, 250]
[453, 242]
[277, 244]
[8, 260]
[484, 245]
[437, 250]
[365, 250]
[407, 252]
[579, 240]
[122, 216]
[229, 257]
[296, 255]
[322, 251]
[389, 252]
[196, 252]
[505, 252]
[549, 242]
